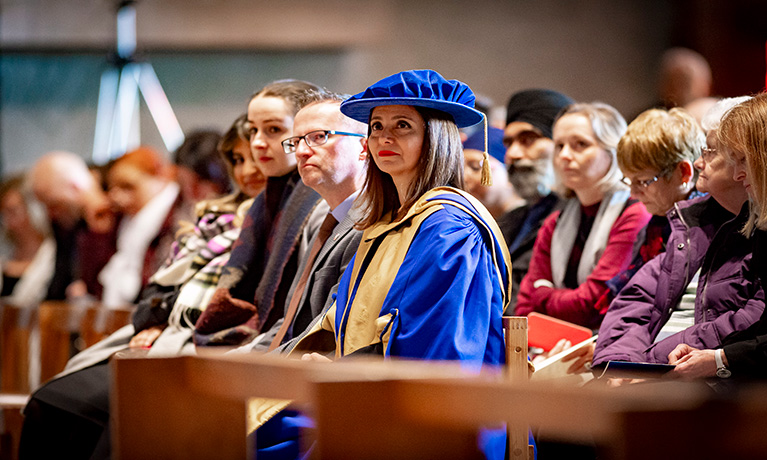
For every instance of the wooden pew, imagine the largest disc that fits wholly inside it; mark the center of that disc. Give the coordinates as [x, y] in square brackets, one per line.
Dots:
[195, 406]
[63, 329]
[515, 342]
[739, 431]
[66, 329]
[659, 421]
[99, 322]
[17, 326]
[11, 405]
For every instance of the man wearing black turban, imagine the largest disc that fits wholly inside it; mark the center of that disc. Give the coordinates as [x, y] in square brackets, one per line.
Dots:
[529, 151]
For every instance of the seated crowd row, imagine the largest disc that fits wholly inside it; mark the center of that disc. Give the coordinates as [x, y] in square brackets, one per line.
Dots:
[371, 224]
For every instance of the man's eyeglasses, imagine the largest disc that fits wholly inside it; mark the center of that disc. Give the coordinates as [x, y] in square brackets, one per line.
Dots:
[642, 184]
[313, 139]
[707, 154]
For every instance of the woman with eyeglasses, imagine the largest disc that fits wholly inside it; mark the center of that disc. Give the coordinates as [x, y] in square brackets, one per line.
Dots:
[741, 140]
[591, 239]
[656, 157]
[699, 290]
[265, 257]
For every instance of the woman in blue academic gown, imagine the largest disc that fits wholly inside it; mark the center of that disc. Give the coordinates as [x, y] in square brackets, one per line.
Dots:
[430, 279]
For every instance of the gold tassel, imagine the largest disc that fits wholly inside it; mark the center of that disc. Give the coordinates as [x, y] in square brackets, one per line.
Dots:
[487, 178]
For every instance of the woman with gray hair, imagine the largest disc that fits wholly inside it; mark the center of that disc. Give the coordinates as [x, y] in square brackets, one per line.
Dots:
[701, 289]
[591, 239]
[742, 141]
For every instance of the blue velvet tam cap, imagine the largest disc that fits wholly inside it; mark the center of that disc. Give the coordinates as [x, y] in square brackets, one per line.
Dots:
[422, 88]
[495, 146]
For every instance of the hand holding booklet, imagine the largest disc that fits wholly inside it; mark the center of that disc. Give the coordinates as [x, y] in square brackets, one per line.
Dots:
[545, 331]
[555, 367]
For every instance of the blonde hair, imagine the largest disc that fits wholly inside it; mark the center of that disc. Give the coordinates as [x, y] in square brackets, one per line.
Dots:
[608, 126]
[659, 140]
[744, 129]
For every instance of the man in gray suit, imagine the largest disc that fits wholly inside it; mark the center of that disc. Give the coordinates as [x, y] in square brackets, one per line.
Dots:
[330, 151]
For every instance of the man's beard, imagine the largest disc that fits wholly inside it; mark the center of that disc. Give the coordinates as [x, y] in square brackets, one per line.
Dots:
[532, 179]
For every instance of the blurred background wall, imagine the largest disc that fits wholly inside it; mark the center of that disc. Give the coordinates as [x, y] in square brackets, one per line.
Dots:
[210, 56]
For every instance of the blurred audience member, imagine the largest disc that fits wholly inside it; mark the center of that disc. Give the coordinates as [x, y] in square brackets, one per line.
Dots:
[61, 410]
[141, 189]
[27, 261]
[590, 241]
[27, 267]
[684, 77]
[243, 169]
[200, 171]
[82, 221]
[500, 197]
[529, 151]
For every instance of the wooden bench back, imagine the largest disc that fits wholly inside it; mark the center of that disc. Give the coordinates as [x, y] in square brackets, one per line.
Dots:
[64, 329]
[17, 325]
[195, 406]
[515, 338]
[628, 422]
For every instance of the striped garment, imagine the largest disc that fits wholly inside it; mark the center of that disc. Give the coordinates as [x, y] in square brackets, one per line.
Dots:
[683, 315]
[196, 261]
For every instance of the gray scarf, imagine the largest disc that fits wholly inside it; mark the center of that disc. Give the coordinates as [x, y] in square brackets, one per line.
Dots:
[566, 230]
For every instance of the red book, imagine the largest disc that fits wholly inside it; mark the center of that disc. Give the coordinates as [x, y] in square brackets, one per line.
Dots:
[544, 331]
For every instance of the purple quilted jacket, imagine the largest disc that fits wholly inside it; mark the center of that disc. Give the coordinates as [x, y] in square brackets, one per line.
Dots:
[703, 236]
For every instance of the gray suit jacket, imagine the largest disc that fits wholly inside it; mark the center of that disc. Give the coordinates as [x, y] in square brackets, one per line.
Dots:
[322, 284]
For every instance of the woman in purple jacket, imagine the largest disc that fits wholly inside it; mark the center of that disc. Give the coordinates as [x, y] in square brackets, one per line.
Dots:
[705, 240]
[743, 136]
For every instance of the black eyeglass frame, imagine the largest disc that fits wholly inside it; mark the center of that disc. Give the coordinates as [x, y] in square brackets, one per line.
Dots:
[290, 145]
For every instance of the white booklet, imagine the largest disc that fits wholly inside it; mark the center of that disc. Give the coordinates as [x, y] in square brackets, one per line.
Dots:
[554, 368]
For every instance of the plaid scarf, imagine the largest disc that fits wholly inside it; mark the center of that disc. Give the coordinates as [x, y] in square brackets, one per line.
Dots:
[195, 264]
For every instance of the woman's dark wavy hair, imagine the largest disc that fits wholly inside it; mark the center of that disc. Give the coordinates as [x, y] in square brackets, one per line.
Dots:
[440, 164]
[199, 153]
[236, 133]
